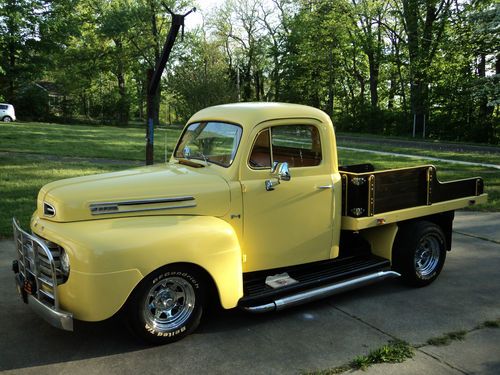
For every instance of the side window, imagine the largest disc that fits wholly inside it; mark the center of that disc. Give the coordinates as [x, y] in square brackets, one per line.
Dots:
[3, 106]
[298, 145]
[261, 152]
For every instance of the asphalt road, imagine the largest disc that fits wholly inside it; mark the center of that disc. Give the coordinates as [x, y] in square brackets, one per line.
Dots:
[316, 336]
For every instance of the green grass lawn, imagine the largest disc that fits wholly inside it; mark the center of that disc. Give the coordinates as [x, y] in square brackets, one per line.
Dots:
[476, 157]
[83, 140]
[22, 175]
[359, 141]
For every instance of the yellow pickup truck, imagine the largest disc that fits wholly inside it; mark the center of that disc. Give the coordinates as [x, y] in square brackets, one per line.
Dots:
[251, 211]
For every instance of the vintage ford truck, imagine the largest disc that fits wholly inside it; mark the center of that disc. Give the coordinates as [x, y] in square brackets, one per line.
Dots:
[251, 211]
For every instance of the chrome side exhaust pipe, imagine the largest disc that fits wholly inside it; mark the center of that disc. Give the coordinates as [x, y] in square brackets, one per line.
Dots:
[321, 292]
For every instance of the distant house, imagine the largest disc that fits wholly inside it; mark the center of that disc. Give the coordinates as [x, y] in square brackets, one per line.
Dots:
[55, 96]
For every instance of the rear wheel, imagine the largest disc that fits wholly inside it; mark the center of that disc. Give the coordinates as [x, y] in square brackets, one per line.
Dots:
[7, 119]
[419, 252]
[167, 305]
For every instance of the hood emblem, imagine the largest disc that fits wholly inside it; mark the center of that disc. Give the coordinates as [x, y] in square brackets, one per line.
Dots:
[141, 205]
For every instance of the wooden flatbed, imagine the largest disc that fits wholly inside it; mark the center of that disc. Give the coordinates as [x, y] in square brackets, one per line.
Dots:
[371, 198]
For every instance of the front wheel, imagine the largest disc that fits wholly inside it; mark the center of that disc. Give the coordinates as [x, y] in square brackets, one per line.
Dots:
[7, 119]
[419, 252]
[167, 305]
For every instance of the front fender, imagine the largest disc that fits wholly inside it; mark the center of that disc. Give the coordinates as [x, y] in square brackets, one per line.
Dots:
[121, 251]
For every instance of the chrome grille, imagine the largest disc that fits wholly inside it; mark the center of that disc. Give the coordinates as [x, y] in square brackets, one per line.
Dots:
[40, 261]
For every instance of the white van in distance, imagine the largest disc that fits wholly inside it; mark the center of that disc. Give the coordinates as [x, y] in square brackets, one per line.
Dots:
[7, 113]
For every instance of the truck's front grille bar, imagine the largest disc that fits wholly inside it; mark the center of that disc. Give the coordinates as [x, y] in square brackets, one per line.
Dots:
[39, 262]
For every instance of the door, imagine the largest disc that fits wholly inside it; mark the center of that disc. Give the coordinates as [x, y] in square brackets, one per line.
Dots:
[291, 224]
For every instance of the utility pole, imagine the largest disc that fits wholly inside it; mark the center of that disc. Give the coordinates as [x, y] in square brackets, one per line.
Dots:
[154, 78]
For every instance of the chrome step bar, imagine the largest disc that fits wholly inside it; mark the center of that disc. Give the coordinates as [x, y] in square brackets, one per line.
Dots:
[321, 292]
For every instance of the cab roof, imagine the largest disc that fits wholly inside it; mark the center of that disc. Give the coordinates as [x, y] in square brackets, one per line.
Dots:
[249, 115]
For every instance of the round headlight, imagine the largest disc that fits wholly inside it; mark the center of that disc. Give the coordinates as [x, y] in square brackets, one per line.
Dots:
[64, 263]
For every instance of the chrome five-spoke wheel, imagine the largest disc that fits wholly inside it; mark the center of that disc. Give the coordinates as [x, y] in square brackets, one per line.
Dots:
[419, 252]
[169, 304]
[427, 255]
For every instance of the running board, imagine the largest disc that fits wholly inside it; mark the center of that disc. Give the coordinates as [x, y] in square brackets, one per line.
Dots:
[321, 292]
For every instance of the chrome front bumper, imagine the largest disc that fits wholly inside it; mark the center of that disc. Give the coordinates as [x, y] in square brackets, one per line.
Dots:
[37, 278]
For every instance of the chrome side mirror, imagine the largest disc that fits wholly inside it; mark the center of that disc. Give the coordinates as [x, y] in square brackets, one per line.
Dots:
[284, 172]
[281, 172]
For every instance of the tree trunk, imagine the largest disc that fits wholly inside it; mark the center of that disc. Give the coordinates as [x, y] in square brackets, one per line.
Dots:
[123, 107]
[481, 71]
[424, 30]
[247, 83]
[154, 30]
[277, 80]
[392, 92]
[141, 91]
[374, 71]
[12, 30]
[257, 85]
[418, 99]
[411, 14]
[150, 109]
[329, 104]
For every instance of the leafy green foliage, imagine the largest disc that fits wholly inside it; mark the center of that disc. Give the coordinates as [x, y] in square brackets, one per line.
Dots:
[201, 79]
[374, 66]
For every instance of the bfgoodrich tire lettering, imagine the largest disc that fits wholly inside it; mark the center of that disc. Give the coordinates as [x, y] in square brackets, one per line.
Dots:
[419, 252]
[167, 305]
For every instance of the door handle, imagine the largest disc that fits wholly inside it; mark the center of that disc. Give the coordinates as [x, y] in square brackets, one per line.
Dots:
[324, 187]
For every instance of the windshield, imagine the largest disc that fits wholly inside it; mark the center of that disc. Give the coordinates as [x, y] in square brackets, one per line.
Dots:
[215, 142]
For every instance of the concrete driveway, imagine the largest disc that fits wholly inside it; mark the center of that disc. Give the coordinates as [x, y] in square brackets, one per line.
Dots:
[320, 335]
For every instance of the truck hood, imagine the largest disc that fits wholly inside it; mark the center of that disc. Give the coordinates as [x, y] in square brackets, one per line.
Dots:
[170, 189]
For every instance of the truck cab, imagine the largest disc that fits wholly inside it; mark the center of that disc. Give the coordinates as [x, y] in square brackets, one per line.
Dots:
[251, 211]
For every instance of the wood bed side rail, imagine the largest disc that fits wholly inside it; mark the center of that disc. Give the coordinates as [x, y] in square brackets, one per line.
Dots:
[369, 193]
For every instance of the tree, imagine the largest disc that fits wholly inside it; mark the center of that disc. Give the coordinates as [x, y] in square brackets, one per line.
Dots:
[368, 19]
[276, 18]
[200, 79]
[424, 22]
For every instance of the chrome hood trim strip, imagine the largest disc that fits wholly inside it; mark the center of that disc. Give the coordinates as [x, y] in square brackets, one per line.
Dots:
[111, 208]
